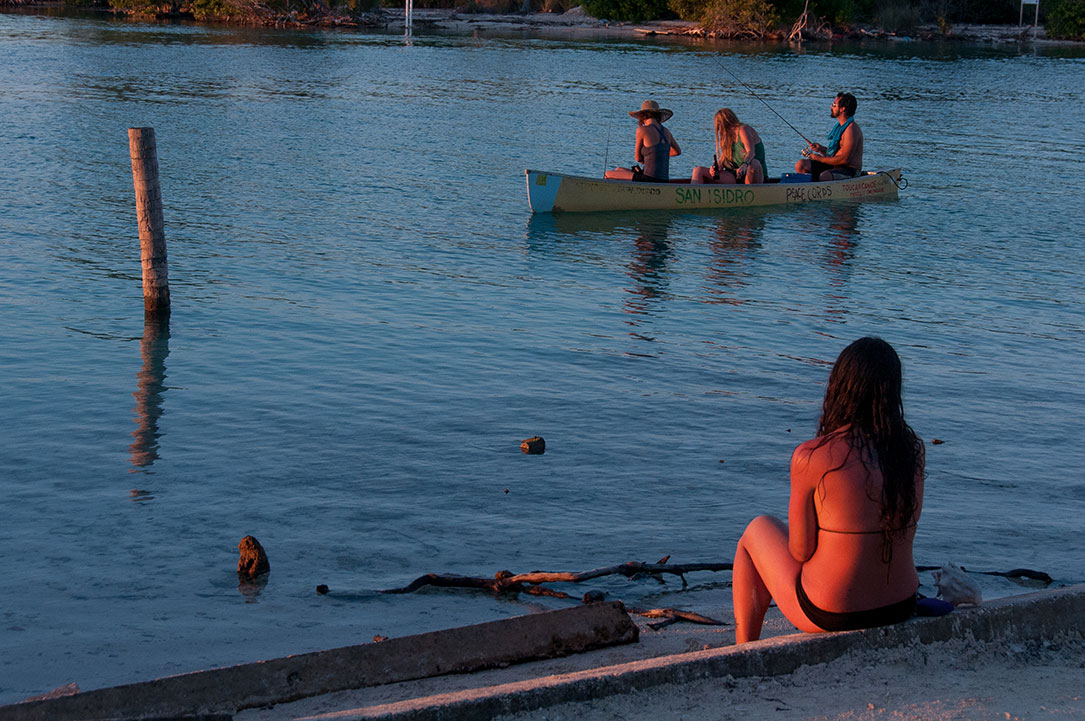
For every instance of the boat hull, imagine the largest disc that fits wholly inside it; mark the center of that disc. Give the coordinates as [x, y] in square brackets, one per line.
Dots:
[557, 193]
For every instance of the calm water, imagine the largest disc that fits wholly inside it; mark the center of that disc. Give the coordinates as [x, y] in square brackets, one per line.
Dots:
[367, 321]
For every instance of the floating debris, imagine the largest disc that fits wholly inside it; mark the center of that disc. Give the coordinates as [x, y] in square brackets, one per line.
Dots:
[533, 446]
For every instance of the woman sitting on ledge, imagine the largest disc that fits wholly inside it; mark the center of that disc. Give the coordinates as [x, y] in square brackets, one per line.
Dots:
[844, 559]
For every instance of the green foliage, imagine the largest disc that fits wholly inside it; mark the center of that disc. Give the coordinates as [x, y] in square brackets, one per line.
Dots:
[631, 10]
[897, 16]
[692, 10]
[1066, 19]
[985, 12]
[212, 9]
[142, 7]
[838, 12]
[843, 12]
[488, 6]
[740, 18]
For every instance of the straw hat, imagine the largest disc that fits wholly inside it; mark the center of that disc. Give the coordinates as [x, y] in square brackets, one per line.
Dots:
[651, 107]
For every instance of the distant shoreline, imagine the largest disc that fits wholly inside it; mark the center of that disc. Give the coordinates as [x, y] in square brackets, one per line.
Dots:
[574, 24]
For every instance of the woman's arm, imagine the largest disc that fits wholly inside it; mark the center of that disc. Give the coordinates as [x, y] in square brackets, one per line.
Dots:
[748, 142]
[802, 523]
[638, 151]
[675, 150]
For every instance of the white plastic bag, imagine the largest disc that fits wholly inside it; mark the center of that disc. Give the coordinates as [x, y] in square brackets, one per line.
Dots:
[955, 586]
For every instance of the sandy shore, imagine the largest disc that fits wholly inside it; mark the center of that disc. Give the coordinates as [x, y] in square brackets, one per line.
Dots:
[959, 680]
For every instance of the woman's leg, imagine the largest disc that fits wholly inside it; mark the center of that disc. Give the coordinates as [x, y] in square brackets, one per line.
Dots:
[701, 175]
[764, 570]
[619, 174]
[726, 177]
[754, 172]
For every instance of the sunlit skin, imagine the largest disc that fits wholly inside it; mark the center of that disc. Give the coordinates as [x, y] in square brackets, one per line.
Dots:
[749, 172]
[840, 571]
[648, 130]
[850, 153]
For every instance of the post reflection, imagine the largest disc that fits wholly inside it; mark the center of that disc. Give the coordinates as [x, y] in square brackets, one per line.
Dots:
[736, 238]
[153, 348]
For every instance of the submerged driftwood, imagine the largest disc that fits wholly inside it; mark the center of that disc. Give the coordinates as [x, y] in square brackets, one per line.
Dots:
[507, 582]
[531, 583]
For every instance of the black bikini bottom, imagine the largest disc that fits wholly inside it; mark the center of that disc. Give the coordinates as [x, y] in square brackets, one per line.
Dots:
[852, 620]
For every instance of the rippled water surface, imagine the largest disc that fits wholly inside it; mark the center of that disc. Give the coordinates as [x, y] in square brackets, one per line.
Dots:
[367, 320]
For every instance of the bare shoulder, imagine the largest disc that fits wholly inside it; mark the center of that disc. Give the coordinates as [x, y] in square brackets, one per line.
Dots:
[819, 455]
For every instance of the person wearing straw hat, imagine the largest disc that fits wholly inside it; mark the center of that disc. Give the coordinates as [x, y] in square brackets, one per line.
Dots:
[655, 146]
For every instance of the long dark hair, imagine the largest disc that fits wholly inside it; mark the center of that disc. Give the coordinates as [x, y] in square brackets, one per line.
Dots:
[864, 395]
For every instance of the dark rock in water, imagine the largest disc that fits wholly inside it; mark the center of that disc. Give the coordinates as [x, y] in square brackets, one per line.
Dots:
[253, 560]
[378, 638]
[533, 445]
[322, 589]
[594, 597]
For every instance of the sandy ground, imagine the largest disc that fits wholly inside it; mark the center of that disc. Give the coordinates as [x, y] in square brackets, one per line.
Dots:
[954, 681]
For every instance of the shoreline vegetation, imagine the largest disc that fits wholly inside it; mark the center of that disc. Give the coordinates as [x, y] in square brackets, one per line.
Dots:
[792, 21]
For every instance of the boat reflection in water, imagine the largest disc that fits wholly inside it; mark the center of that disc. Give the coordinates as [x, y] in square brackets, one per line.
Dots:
[840, 240]
[645, 234]
[736, 238]
[653, 252]
[153, 349]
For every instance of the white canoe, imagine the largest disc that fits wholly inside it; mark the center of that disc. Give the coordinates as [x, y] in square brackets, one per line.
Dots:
[554, 193]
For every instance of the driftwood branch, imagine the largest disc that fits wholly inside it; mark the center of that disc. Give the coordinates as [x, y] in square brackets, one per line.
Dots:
[508, 582]
[673, 615]
[531, 583]
[1014, 573]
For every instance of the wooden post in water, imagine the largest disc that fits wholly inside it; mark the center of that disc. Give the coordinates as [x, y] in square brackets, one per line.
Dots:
[152, 235]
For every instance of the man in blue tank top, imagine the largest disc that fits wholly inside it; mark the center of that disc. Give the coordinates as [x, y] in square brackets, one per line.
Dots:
[654, 148]
[843, 158]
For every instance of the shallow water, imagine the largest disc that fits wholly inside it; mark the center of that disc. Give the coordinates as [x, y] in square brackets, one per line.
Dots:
[367, 320]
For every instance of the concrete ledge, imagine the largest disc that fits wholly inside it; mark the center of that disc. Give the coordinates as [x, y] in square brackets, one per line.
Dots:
[226, 690]
[1027, 617]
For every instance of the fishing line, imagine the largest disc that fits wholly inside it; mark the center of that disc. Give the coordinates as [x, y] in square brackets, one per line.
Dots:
[781, 117]
[606, 155]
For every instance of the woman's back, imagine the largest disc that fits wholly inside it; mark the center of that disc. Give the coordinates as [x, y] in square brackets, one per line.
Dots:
[853, 565]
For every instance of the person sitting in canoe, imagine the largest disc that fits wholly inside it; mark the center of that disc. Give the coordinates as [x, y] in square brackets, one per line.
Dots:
[655, 146]
[740, 154]
[843, 158]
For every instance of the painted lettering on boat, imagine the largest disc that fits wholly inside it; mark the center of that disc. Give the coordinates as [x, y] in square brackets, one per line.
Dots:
[864, 188]
[713, 196]
[798, 193]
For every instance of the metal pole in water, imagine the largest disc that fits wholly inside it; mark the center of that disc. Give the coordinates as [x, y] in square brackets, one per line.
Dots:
[408, 17]
[152, 235]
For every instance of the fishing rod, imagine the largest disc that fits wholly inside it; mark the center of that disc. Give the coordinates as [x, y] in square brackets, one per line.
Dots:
[606, 156]
[781, 117]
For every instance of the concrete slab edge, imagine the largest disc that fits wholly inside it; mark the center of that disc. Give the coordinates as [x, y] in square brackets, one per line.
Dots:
[1045, 614]
[225, 691]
